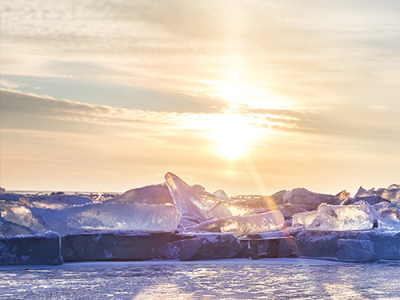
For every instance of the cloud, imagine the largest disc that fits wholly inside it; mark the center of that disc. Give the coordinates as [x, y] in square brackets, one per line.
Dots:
[332, 125]
[78, 146]
[64, 110]
[7, 84]
[303, 55]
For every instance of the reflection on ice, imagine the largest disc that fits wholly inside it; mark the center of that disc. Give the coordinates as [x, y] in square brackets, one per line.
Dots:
[233, 279]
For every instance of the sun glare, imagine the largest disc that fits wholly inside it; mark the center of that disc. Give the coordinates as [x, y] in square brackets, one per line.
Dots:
[233, 92]
[236, 93]
[233, 136]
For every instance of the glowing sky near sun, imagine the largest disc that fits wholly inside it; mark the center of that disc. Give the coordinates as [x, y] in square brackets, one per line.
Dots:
[246, 96]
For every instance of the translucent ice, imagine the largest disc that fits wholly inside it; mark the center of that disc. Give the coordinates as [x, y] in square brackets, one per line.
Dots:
[343, 195]
[197, 205]
[344, 217]
[221, 195]
[390, 194]
[12, 229]
[363, 193]
[153, 194]
[303, 219]
[138, 217]
[289, 210]
[134, 217]
[54, 201]
[394, 186]
[309, 200]
[252, 201]
[390, 213]
[23, 215]
[372, 200]
[244, 225]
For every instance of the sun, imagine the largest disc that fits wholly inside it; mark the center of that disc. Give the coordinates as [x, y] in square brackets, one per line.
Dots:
[233, 136]
[233, 92]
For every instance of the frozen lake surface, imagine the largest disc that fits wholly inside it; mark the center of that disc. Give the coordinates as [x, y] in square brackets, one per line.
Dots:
[219, 279]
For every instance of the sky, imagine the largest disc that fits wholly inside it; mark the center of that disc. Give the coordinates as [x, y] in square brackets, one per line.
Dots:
[251, 97]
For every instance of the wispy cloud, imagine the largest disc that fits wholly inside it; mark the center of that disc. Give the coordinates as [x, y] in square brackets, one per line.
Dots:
[302, 54]
[48, 108]
[7, 84]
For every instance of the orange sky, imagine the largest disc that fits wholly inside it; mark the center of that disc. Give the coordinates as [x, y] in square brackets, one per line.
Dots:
[246, 96]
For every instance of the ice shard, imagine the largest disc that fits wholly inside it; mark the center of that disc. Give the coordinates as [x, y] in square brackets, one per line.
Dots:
[133, 217]
[54, 201]
[152, 194]
[343, 195]
[392, 213]
[189, 202]
[244, 225]
[8, 229]
[394, 186]
[344, 217]
[139, 217]
[289, 210]
[303, 219]
[372, 200]
[363, 193]
[197, 205]
[220, 194]
[309, 200]
[389, 194]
